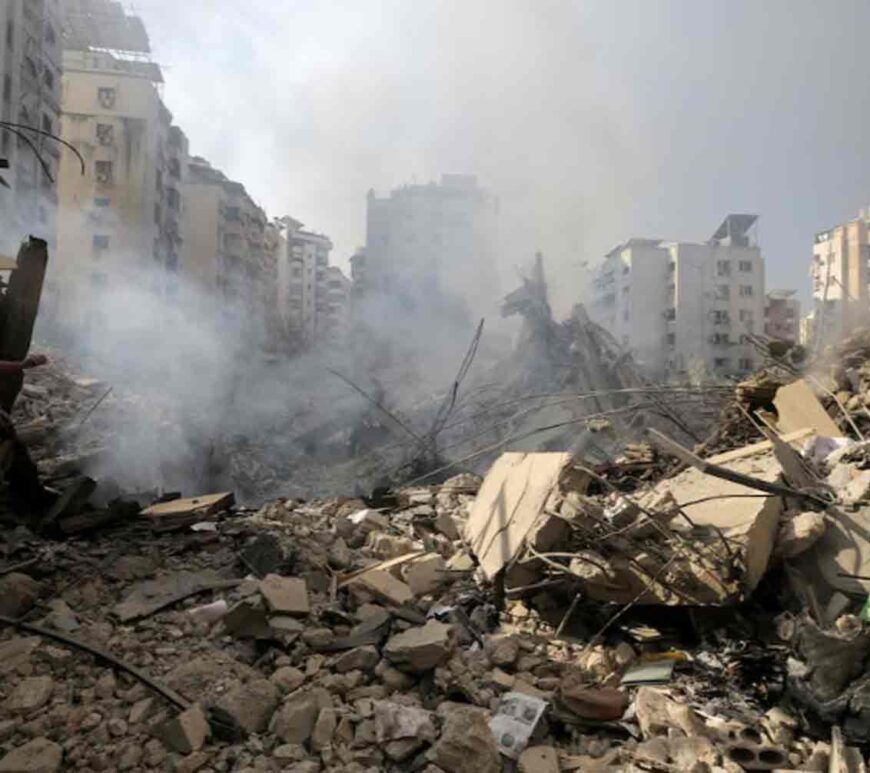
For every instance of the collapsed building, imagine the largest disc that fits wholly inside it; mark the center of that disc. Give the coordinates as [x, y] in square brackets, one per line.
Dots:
[562, 567]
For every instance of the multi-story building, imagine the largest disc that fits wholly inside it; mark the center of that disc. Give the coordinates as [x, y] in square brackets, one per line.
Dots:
[431, 241]
[840, 271]
[30, 96]
[782, 314]
[227, 254]
[120, 221]
[685, 308]
[307, 302]
[338, 303]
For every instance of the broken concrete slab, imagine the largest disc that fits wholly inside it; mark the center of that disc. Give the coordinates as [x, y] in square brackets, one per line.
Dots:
[37, 756]
[421, 648]
[510, 505]
[425, 574]
[381, 585]
[657, 713]
[200, 506]
[358, 659]
[186, 732]
[151, 596]
[294, 720]
[797, 407]
[798, 533]
[285, 595]
[324, 729]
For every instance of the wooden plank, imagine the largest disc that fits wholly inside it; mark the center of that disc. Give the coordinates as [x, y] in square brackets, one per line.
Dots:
[203, 505]
[762, 446]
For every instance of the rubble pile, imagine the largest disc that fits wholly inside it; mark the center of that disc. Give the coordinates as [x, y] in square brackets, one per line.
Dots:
[671, 608]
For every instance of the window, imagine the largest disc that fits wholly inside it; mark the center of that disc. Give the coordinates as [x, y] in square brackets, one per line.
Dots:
[173, 199]
[46, 124]
[157, 214]
[789, 313]
[746, 315]
[721, 362]
[625, 290]
[160, 180]
[105, 134]
[102, 201]
[723, 292]
[50, 36]
[721, 317]
[719, 339]
[672, 266]
[31, 66]
[48, 78]
[626, 270]
[671, 339]
[746, 291]
[745, 363]
[100, 242]
[670, 314]
[723, 268]
[625, 315]
[746, 266]
[104, 171]
[106, 97]
[296, 272]
[10, 33]
[7, 87]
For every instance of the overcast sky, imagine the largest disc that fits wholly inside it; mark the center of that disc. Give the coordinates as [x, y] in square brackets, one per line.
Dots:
[593, 120]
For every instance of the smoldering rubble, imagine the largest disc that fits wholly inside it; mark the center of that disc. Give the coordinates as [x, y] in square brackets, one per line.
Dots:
[561, 574]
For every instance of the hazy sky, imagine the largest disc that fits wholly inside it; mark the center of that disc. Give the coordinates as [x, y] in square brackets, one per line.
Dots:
[593, 120]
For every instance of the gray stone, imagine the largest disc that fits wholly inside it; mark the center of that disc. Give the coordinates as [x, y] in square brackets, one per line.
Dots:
[287, 678]
[30, 694]
[394, 721]
[186, 732]
[324, 728]
[466, 744]
[294, 720]
[251, 704]
[358, 659]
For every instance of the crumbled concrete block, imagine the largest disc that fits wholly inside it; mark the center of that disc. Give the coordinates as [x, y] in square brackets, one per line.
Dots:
[324, 728]
[394, 721]
[425, 574]
[251, 704]
[287, 678]
[421, 648]
[37, 756]
[466, 744]
[30, 694]
[186, 732]
[294, 720]
[382, 586]
[285, 595]
[358, 659]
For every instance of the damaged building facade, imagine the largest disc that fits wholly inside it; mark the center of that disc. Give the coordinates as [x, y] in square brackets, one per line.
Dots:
[30, 96]
[840, 272]
[121, 220]
[684, 308]
[782, 314]
[432, 242]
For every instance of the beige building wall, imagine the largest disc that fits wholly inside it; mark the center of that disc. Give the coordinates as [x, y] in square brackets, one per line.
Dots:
[840, 275]
[120, 222]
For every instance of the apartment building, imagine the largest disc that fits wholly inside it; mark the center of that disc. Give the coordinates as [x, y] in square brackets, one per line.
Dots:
[227, 254]
[30, 96]
[120, 221]
[683, 309]
[338, 303]
[840, 274]
[782, 316]
[435, 240]
[308, 266]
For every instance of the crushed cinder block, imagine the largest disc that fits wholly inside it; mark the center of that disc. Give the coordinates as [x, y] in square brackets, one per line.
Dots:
[285, 595]
[420, 648]
[186, 732]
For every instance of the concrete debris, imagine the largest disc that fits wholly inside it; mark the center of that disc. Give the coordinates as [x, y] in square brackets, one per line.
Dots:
[421, 648]
[513, 623]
